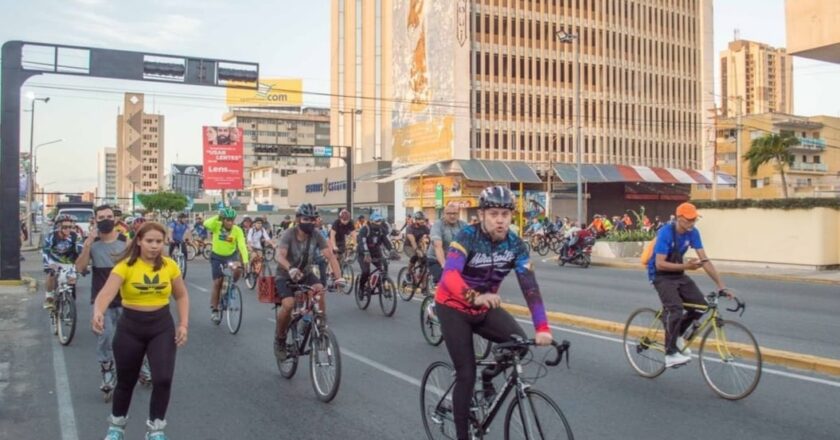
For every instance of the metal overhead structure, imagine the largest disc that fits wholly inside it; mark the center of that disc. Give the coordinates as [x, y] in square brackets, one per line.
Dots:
[23, 60]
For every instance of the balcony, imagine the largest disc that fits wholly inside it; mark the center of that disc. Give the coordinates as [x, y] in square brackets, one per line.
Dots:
[815, 167]
[810, 144]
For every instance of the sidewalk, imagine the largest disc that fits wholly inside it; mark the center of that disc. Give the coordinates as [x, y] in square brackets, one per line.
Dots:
[732, 269]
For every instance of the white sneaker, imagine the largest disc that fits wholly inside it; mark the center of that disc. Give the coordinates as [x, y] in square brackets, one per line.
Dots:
[682, 347]
[675, 360]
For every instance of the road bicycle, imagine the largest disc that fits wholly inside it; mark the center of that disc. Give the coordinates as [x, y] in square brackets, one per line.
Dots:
[308, 334]
[730, 358]
[530, 415]
[419, 280]
[63, 313]
[430, 327]
[380, 284]
[180, 258]
[230, 303]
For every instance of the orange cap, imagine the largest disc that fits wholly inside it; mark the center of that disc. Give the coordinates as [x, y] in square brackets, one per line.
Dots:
[687, 210]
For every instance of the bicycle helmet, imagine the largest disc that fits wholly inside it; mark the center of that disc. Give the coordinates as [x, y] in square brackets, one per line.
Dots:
[227, 213]
[419, 215]
[64, 218]
[497, 197]
[376, 217]
[307, 210]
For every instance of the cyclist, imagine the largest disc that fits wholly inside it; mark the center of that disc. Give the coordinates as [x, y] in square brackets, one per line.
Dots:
[372, 236]
[360, 222]
[246, 225]
[286, 223]
[179, 234]
[442, 235]
[467, 299]
[62, 246]
[416, 235]
[258, 239]
[666, 271]
[294, 265]
[341, 229]
[228, 247]
[199, 229]
[119, 225]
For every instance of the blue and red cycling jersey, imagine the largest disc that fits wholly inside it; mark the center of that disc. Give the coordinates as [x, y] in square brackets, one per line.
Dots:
[475, 262]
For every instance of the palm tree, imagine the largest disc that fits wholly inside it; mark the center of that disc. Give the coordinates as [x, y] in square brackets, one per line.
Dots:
[770, 147]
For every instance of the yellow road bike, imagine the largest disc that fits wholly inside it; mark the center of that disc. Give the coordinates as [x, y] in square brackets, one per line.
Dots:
[730, 358]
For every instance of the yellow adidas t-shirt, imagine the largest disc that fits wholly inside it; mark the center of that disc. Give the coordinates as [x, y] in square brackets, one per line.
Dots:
[142, 286]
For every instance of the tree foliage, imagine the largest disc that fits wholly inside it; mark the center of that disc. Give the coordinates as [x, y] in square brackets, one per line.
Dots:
[772, 147]
[164, 202]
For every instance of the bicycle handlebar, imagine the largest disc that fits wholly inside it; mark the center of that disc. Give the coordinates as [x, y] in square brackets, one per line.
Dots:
[560, 348]
[740, 305]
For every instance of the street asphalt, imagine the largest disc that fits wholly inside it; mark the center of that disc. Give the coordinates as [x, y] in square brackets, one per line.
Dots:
[228, 387]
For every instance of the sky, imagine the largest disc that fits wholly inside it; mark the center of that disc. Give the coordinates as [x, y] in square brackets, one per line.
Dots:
[288, 38]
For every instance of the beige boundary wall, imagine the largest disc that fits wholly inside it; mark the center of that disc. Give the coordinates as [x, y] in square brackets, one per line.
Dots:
[808, 238]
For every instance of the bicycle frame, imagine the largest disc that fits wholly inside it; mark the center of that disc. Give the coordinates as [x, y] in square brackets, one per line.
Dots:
[711, 317]
[310, 308]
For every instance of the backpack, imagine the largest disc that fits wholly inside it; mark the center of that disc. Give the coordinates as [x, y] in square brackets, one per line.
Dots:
[647, 253]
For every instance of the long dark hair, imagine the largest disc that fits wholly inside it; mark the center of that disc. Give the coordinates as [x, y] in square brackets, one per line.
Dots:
[132, 251]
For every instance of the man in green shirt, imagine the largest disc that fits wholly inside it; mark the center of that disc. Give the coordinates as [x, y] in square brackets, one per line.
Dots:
[229, 246]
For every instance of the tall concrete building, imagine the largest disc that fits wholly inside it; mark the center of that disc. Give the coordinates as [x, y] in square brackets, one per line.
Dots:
[756, 77]
[140, 148]
[107, 175]
[270, 137]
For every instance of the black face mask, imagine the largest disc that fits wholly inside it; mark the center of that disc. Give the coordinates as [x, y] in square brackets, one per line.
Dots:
[307, 227]
[105, 226]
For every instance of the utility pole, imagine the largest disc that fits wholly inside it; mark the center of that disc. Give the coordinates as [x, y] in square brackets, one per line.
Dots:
[350, 157]
[738, 128]
[569, 38]
[31, 179]
[715, 116]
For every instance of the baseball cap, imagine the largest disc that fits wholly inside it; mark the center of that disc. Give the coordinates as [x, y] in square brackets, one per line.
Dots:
[687, 210]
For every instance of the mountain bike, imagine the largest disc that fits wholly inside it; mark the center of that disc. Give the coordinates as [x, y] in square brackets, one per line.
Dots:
[730, 358]
[230, 303]
[63, 314]
[430, 327]
[531, 413]
[419, 280]
[308, 334]
[380, 284]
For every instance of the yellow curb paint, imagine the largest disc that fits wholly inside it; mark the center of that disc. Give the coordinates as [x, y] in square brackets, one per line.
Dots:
[770, 355]
[11, 282]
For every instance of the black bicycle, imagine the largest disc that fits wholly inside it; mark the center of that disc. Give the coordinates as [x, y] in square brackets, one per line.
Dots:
[308, 334]
[531, 414]
[379, 283]
[420, 279]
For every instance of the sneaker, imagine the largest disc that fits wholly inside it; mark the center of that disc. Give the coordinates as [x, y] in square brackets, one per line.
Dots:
[676, 360]
[682, 347]
[116, 428]
[155, 430]
[280, 350]
[216, 316]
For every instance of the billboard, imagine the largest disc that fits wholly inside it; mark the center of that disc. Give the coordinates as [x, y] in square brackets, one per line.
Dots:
[431, 118]
[187, 179]
[223, 158]
[271, 92]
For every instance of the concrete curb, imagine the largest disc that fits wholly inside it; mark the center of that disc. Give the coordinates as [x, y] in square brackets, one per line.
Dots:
[30, 283]
[769, 277]
[769, 355]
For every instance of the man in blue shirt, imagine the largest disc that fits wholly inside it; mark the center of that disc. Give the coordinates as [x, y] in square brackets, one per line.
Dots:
[666, 270]
[179, 232]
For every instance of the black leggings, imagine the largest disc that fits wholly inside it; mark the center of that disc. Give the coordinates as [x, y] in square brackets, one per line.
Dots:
[496, 325]
[142, 334]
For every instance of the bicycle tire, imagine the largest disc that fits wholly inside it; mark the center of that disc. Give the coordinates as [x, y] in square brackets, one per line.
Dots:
[324, 348]
[481, 347]
[269, 254]
[388, 297]
[405, 288]
[235, 309]
[429, 287]
[191, 255]
[361, 296]
[350, 279]
[739, 356]
[207, 252]
[541, 426]
[288, 366]
[645, 350]
[54, 322]
[251, 280]
[66, 315]
[429, 325]
[436, 401]
[542, 248]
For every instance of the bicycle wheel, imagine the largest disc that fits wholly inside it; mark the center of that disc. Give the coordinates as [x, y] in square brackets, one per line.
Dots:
[405, 288]
[288, 367]
[207, 252]
[429, 287]
[362, 296]
[234, 309]
[182, 264]
[436, 401]
[349, 276]
[66, 320]
[191, 251]
[269, 254]
[325, 364]
[54, 322]
[429, 324]
[536, 417]
[481, 346]
[730, 360]
[542, 247]
[251, 279]
[388, 297]
[644, 342]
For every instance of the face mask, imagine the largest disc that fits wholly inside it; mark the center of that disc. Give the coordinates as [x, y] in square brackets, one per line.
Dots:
[307, 227]
[105, 226]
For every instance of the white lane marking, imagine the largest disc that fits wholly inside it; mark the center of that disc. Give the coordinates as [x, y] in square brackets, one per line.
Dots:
[381, 367]
[763, 369]
[66, 413]
[196, 286]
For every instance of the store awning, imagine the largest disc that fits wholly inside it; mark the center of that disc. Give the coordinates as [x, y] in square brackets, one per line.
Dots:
[472, 169]
[601, 173]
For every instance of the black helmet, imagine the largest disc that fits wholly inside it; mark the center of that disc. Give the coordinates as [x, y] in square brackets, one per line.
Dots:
[306, 210]
[419, 215]
[497, 197]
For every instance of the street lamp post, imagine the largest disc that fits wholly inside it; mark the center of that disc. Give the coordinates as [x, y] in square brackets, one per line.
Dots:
[569, 38]
[31, 181]
[351, 156]
[34, 160]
